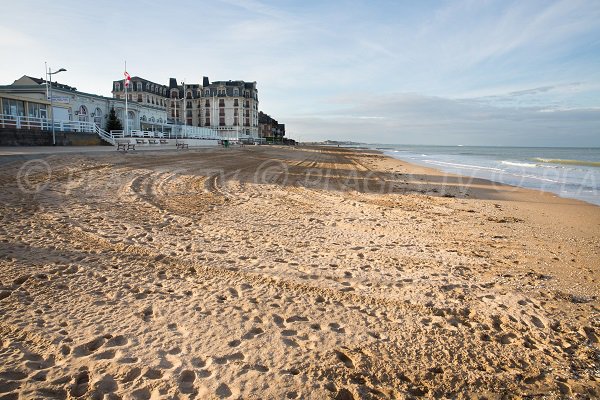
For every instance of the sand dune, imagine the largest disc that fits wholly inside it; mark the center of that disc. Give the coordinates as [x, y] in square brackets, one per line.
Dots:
[272, 273]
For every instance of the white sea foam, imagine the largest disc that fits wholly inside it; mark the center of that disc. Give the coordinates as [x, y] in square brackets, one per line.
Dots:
[517, 164]
[456, 165]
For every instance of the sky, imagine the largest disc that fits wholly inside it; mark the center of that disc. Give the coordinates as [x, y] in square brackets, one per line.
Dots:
[469, 72]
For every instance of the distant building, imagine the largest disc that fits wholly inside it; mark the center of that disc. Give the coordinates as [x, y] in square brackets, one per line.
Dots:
[269, 128]
[230, 107]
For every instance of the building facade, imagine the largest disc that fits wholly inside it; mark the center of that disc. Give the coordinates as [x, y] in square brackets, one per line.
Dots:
[229, 107]
[269, 128]
[29, 97]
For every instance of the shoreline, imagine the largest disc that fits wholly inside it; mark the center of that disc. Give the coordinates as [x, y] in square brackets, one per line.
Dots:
[273, 272]
[505, 191]
[548, 190]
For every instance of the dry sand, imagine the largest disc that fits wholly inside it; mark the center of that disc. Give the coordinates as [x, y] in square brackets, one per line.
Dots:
[272, 273]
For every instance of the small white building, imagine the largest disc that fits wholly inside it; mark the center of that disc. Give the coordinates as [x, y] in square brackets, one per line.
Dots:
[30, 97]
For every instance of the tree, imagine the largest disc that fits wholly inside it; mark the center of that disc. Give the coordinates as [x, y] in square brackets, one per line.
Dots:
[113, 123]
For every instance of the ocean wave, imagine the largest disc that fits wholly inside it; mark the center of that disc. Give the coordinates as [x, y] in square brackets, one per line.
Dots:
[516, 164]
[457, 165]
[568, 162]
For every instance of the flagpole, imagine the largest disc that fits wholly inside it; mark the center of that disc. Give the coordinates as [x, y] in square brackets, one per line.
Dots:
[126, 112]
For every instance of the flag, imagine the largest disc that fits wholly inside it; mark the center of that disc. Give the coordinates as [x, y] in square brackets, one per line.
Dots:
[127, 79]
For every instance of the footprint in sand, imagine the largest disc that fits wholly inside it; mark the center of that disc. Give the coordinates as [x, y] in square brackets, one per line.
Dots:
[252, 333]
[347, 361]
[186, 381]
[131, 375]
[88, 348]
[153, 374]
[223, 391]
[81, 384]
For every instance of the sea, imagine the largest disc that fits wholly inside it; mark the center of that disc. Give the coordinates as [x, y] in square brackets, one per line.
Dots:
[566, 171]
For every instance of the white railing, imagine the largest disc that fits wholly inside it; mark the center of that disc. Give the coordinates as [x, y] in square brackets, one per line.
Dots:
[25, 122]
[167, 131]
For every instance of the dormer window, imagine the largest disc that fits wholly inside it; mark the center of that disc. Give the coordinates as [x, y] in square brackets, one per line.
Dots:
[236, 92]
[207, 92]
[139, 86]
[117, 86]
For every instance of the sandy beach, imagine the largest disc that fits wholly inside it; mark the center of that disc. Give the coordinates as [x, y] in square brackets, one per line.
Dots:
[289, 273]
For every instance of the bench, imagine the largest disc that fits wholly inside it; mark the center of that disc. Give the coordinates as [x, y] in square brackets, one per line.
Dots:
[152, 141]
[125, 145]
[164, 141]
[140, 141]
[182, 145]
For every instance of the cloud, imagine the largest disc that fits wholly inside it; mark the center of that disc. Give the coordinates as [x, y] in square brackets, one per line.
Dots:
[417, 119]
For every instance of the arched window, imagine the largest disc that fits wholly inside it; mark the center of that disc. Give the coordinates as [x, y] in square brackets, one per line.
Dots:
[148, 86]
[151, 119]
[189, 94]
[83, 113]
[207, 92]
[98, 116]
[139, 86]
[117, 86]
[236, 92]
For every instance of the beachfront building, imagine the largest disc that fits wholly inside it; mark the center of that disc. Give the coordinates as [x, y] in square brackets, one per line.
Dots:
[27, 100]
[228, 107]
[269, 128]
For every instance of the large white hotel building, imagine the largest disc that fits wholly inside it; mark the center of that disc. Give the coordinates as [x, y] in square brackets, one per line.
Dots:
[225, 106]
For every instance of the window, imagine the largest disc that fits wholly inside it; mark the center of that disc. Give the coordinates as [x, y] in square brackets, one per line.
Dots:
[83, 113]
[148, 86]
[117, 86]
[236, 92]
[188, 95]
[207, 104]
[235, 103]
[189, 104]
[36, 110]
[139, 98]
[98, 116]
[139, 86]
[221, 103]
[207, 92]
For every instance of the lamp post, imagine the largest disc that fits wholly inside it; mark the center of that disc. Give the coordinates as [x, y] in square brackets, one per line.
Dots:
[50, 73]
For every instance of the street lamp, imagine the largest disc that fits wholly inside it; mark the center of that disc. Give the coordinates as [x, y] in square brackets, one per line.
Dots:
[52, 102]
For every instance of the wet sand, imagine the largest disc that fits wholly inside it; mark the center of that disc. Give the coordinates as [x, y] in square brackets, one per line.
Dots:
[273, 273]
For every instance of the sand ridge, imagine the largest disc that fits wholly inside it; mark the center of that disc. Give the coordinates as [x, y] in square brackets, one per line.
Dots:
[290, 273]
